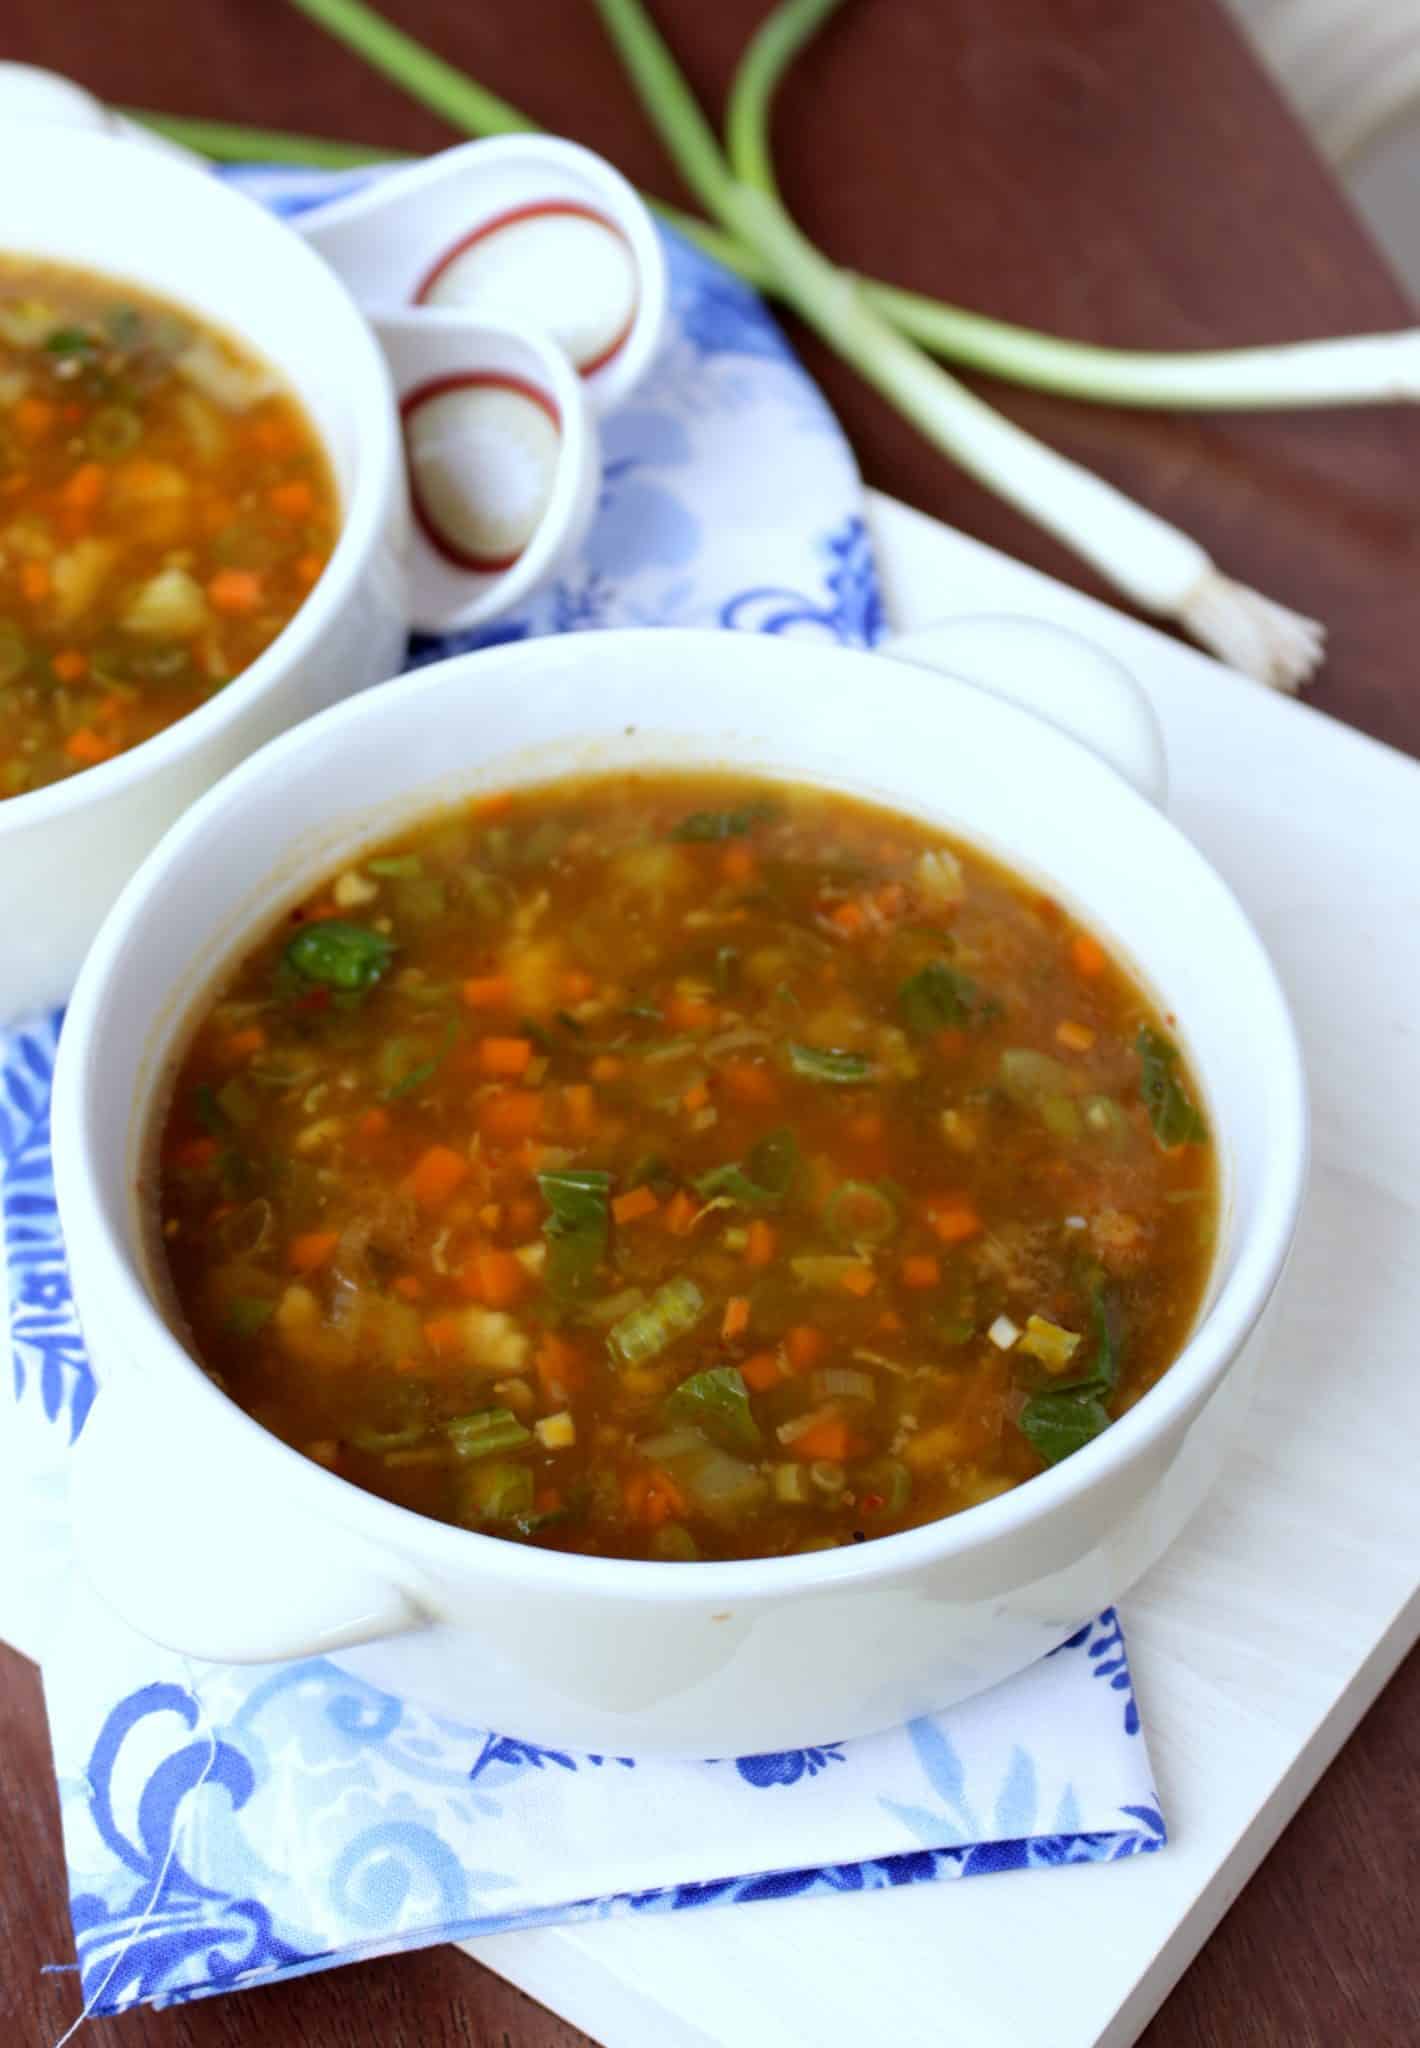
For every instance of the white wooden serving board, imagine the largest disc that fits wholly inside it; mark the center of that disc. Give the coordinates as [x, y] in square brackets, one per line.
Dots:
[1264, 1635]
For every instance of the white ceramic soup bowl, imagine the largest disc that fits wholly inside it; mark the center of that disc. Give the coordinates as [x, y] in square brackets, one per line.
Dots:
[139, 217]
[212, 1536]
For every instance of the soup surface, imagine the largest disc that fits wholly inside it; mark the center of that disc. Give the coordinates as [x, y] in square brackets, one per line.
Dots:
[165, 506]
[673, 1168]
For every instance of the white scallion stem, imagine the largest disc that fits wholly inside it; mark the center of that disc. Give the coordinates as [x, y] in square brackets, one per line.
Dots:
[1156, 565]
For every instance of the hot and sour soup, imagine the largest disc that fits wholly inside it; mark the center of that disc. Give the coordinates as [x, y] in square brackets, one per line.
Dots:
[680, 1168]
[165, 507]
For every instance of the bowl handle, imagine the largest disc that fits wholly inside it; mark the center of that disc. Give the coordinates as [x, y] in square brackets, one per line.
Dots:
[202, 1562]
[1070, 683]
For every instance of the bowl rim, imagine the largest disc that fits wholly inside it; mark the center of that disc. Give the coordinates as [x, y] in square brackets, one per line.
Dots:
[414, 1539]
[375, 433]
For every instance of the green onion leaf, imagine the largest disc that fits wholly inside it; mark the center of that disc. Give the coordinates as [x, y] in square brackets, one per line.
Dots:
[576, 1230]
[1175, 1120]
[717, 1402]
[333, 954]
[937, 998]
[763, 1180]
[1058, 1424]
[705, 826]
[828, 1063]
[646, 1331]
[489, 1430]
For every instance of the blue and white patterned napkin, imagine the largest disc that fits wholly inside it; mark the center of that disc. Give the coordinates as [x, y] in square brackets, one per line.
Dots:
[224, 1826]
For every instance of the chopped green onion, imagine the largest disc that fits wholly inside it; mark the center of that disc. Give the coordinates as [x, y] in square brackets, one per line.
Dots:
[247, 1314]
[1057, 1424]
[490, 1430]
[1175, 1120]
[883, 1487]
[765, 1178]
[858, 1213]
[716, 1401]
[577, 1228]
[828, 1063]
[937, 998]
[336, 955]
[646, 1332]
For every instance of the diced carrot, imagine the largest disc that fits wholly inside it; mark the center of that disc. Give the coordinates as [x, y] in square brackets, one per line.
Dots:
[953, 1219]
[292, 499]
[408, 1286]
[636, 1202]
[374, 1123]
[34, 417]
[1087, 955]
[749, 1081]
[491, 1215]
[696, 1097]
[510, 1116]
[606, 1067]
[848, 918]
[890, 1320]
[680, 1213]
[487, 991]
[444, 1335]
[866, 1127]
[34, 581]
[311, 1249]
[505, 1058]
[737, 864]
[761, 1243]
[921, 1270]
[559, 1366]
[761, 1372]
[735, 1320]
[437, 1175]
[234, 591]
[804, 1346]
[494, 805]
[523, 1214]
[308, 566]
[581, 1107]
[690, 1013]
[111, 708]
[496, 1278]
[830, 1438]
[951, 1044]
[193, 1154]
[242, 1044]
[652, 1496]
[577, 985]
[858, 1279]
[90, 747]
[85, 487]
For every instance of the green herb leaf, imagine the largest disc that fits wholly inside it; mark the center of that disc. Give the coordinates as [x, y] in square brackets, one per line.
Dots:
[1175, 1120]
[937, 998]
[333, 954]
[408, 1078]
[576, 1231]
[828, 1063]
[1058, 1423]
[764, 1178]
[70, 341]
[704, 826]
[717, 1402]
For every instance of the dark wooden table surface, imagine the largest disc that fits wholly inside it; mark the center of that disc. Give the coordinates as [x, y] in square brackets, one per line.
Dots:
[1116, 169]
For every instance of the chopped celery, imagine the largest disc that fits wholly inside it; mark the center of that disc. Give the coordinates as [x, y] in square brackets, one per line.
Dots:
[883, 1487]
[674, 1543]
[1030, 1077]
[858, 1214]
[792, 1485]
[722, 1485]
[844, 1383]
[378, 1440]
[489, 1430]
[500, 1492]
[645, 1333]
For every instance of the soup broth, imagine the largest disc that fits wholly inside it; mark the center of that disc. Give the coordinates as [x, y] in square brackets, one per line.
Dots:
[675, 1168]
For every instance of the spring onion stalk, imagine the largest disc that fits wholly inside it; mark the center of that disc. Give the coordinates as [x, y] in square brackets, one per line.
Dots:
[1366, 369]
[1157, 566]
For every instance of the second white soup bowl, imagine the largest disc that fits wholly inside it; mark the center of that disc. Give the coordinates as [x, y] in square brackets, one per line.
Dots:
[211, 1535]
